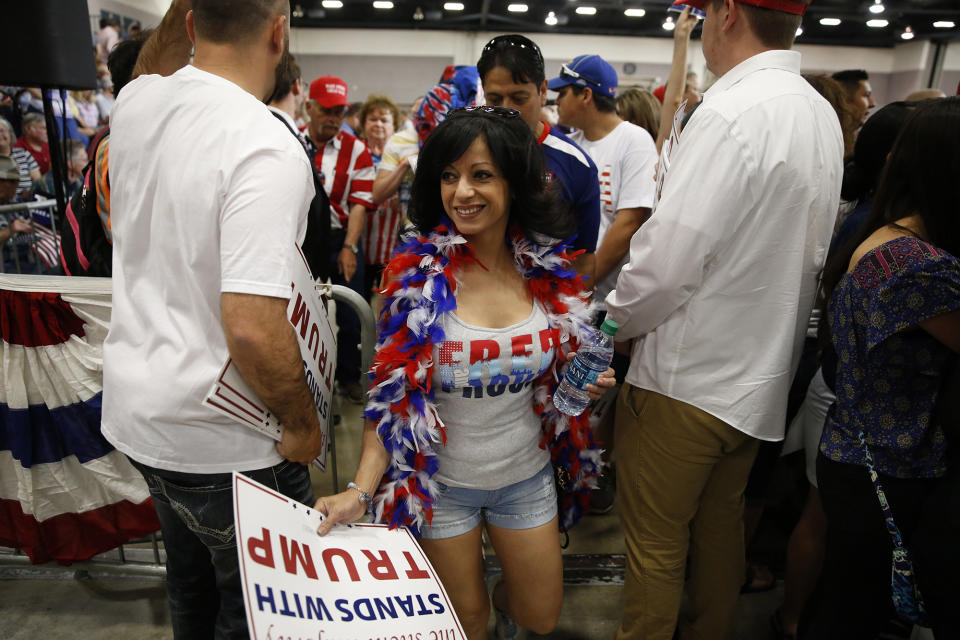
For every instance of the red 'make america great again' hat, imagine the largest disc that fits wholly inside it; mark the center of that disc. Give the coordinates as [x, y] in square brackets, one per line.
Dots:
[787, 6]
[329, 91]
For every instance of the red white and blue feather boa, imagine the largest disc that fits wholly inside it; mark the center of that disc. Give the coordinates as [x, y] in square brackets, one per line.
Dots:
[422, 279]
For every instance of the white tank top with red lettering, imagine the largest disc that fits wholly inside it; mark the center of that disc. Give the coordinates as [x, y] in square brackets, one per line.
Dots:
[483, 381]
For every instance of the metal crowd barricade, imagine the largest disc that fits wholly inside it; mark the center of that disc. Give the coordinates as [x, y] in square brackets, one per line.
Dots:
[368, 340]
[145, 557]
[29, 207]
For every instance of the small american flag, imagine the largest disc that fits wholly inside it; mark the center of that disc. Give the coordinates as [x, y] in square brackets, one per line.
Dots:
[47, 241]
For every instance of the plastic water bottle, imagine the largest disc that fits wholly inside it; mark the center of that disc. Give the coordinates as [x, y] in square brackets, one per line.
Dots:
[593, 358]
[404, 194]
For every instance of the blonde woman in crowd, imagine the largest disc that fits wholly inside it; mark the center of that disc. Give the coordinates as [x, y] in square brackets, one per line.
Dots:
[378, 118]
[833, 92]
[640, 107]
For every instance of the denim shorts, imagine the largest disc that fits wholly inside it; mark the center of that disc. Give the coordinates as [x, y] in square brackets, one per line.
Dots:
[526, 504]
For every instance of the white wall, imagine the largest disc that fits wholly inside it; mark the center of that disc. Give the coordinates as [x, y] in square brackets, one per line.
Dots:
[405, 63]
[375, 60]
[950, 80]
[148, 12]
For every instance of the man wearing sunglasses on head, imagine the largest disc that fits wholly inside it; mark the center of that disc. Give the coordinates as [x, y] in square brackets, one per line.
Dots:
[346, 171]
[624, 153]
[511, 71]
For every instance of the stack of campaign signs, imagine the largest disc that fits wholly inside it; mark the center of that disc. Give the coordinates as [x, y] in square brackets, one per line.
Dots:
[230, 394]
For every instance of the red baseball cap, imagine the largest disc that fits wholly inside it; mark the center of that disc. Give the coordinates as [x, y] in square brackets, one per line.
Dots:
[660, 92]
[329, 91]
[787, 6]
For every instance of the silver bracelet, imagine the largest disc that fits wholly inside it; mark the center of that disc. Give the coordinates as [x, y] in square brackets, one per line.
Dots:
[364, 497]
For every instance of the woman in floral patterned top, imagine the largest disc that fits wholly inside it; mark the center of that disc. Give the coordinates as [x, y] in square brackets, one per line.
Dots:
[893, 317]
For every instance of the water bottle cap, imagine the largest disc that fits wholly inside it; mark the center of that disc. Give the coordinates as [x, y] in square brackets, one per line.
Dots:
[609, 327]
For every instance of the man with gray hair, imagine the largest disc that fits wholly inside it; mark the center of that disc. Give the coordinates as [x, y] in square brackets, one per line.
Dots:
[209, 195]
[34, 140]
[76, 161]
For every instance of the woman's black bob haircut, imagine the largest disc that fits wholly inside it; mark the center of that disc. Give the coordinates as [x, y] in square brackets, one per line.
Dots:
[518, 157]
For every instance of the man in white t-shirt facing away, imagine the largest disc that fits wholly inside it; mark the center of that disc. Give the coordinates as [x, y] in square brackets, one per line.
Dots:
[624, 153]
[717, 294]
[210, 193]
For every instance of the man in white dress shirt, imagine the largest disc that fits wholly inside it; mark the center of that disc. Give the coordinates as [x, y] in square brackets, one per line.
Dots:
[716, 295]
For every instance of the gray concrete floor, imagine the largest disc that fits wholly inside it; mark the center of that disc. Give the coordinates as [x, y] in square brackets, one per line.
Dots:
[120, 608]
[55, 604]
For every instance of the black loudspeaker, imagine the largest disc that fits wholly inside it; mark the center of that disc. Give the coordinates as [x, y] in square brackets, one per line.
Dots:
[48, 45]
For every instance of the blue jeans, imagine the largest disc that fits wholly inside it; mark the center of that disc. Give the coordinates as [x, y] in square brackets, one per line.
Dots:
[203, 572]
[527, 504]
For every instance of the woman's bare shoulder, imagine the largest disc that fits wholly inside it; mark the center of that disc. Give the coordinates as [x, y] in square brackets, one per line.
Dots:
[879, 237]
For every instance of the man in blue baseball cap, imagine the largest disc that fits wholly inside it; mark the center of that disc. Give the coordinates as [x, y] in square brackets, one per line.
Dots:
[624, 153]
[625, 156]
[587, 71]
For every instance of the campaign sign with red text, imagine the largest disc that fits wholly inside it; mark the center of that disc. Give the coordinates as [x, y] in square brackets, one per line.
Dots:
[359, 582]
[233, 397]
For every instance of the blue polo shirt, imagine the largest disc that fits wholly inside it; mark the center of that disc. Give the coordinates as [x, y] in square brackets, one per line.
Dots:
[576, 174]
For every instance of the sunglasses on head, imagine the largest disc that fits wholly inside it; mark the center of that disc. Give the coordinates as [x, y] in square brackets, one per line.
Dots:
[567, 71]
[514, 42]
[503, 112]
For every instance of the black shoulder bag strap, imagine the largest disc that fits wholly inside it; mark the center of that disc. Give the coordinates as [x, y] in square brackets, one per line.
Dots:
[315, 242]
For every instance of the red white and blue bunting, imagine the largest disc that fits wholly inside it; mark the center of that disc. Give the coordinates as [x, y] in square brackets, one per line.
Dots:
[422, 281]
[65, 493]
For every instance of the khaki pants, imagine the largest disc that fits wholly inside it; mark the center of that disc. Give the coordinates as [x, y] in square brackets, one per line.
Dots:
[680, 479]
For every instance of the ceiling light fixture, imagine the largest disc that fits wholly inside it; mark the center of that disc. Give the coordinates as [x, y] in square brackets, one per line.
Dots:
[551, 19]
[382, 4]
[587, 11]
[418, 14]
[517, 8]
[332, 4]
[944, 24]
[297, 11]
[634, 13]
[907, 34]
[829, 22]
[877, 7]
[453, 6]
[669, 24]
[799, 31]
[877, 24]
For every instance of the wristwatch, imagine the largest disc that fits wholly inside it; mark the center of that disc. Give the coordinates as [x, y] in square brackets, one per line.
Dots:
[352, 247]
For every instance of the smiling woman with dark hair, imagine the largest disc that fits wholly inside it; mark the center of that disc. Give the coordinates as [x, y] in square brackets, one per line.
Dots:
[461, 428]
[513, 150]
